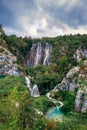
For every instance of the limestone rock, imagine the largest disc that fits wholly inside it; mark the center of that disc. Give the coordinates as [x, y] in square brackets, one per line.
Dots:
[68, 82]
[72, 72]
[80, 53]
[72, 86]
[81, 101]
[76, 78]
[78, 100]
[84, 106]
[8, 64]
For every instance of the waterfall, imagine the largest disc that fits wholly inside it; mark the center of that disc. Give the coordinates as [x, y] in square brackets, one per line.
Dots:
[33, 90]
[47, 54]
[28, 83]
[38, 54]
[57, 107]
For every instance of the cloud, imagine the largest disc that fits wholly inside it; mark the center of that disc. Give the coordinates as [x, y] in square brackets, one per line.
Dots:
[38, 18]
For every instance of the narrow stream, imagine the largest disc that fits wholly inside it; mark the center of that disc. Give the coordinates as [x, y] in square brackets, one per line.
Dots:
[55, 112]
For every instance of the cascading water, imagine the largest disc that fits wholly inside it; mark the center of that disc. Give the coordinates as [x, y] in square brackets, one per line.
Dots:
[47, 54]
[39, 54]
[28, 83]
[33, 90]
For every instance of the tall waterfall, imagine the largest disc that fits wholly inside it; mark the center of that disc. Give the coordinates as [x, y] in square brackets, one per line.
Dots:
[39, 54]
[47, 54]
[33, 89]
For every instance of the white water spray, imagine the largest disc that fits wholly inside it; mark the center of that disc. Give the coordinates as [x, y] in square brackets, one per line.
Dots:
[38, 54]
[47, 54]
[33, 90]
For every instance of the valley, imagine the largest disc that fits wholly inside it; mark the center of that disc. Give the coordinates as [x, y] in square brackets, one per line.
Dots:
[43, 82]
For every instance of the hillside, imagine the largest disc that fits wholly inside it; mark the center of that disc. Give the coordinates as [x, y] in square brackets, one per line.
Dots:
[46, 62]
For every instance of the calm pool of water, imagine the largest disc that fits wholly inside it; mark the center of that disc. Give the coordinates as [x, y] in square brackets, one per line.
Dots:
[2, 76]
[54, 113]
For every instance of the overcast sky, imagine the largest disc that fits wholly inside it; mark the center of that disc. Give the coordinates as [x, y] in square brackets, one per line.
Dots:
[38, 18]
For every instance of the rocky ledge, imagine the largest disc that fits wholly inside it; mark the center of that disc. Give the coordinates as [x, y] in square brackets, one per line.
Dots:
[8, 63]
[76, 80]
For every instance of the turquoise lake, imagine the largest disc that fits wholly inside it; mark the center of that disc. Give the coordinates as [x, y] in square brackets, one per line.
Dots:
[54, 113]
[2, 76]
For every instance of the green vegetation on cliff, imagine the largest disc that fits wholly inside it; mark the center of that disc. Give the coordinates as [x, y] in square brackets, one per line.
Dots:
[18, 109]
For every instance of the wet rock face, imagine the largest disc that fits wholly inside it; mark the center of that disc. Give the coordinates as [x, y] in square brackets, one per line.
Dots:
[39, 54]
[7, 63]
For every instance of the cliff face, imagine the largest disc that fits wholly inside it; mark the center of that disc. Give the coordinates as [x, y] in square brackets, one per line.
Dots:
[39, 54]
[76, 78]
[8, 64]
[80, 53]
[81, 100]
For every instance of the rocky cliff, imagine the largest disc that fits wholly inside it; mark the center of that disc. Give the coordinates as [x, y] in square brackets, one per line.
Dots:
[80, 53]
[76, 80]
[8, 65]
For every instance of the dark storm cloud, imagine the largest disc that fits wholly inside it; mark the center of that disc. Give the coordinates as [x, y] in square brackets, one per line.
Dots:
[5, 14]
[43, 17]
[74, 17]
